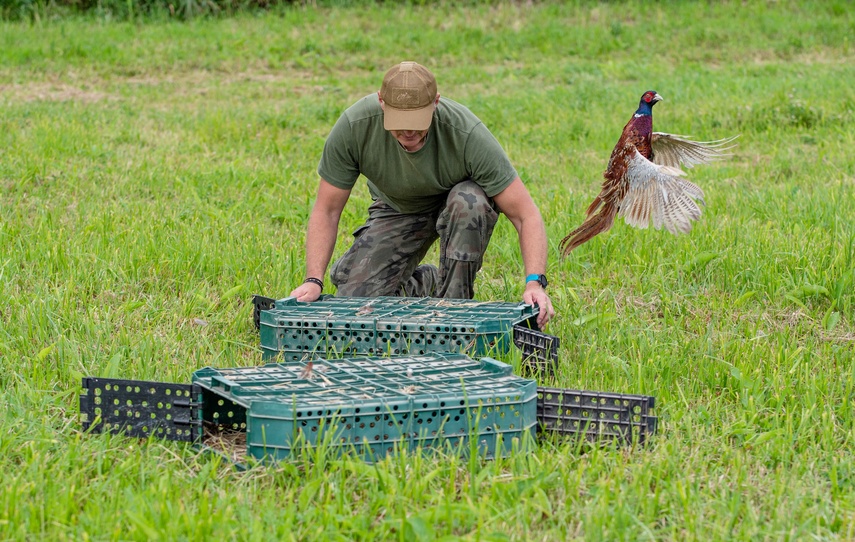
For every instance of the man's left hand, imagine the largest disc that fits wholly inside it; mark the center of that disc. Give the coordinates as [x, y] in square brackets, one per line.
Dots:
[535, 294]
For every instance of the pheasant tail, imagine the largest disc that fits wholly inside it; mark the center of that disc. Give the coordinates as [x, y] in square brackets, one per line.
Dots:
[591, 227]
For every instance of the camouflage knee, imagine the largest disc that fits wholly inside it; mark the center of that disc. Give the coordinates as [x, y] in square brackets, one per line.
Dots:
[466, 223]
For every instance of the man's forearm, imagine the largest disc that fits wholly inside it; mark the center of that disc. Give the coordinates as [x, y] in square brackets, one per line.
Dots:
[533, 246]
[320, 243]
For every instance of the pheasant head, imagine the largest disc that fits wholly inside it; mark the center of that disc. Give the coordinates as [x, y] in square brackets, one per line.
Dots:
[648, 100]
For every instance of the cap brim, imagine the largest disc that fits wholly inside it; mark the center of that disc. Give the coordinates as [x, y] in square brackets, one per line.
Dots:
[407, 119]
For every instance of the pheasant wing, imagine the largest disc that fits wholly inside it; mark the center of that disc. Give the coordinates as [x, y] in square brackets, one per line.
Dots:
[674, 150]
[659, 194]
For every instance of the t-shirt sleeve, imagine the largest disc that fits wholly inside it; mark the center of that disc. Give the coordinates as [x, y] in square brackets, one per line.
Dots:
[339, 164]
[487, 163]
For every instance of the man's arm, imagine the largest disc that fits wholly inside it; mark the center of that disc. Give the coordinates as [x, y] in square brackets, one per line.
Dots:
[320, 237]
[516, 204]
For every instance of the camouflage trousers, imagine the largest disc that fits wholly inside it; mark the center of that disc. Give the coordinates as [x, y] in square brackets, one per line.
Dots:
[387, 250]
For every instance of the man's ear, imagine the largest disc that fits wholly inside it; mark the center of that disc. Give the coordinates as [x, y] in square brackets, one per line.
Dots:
[436, 102]
[382, 105]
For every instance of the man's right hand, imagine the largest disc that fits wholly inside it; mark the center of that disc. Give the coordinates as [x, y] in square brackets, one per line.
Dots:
[306, 292]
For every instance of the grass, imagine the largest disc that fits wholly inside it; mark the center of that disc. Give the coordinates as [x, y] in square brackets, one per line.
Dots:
[154, 175]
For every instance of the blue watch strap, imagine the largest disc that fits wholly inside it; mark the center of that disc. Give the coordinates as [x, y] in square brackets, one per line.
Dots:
[532, 277]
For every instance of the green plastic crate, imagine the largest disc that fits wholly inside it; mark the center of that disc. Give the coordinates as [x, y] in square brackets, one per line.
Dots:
[373, 405]
[388, 326]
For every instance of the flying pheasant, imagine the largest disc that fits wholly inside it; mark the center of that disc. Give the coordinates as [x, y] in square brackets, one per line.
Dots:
[644, 182]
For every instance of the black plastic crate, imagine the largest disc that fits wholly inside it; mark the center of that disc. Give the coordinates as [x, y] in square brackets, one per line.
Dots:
[260, 303]
[139, 408]
[539, 350]
[596, 415]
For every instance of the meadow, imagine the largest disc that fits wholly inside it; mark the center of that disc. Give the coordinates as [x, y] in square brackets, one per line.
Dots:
[156, 173]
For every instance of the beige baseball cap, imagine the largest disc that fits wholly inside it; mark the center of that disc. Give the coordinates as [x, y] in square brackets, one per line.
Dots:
[409, 91]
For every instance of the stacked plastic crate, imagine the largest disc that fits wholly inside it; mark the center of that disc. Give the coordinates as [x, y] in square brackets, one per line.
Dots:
[373, 375]
[332, 327]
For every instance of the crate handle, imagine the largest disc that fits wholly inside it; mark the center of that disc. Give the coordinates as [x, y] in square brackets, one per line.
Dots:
[496, 366]
[222, 382]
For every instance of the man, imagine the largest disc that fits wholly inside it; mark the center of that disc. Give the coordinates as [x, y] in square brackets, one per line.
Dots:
[435, 172]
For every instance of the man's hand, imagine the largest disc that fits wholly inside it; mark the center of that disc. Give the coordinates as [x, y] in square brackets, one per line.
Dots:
[535, 294]
[308, 291]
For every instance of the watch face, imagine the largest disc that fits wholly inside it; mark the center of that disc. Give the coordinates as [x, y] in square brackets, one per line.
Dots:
[542, 280]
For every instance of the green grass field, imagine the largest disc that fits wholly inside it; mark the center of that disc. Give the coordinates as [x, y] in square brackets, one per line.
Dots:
[154, 175]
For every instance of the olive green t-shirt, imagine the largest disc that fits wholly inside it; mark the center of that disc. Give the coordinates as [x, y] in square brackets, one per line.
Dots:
[458, 147]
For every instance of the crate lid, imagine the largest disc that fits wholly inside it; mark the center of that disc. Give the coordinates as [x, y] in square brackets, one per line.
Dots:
[368, 380]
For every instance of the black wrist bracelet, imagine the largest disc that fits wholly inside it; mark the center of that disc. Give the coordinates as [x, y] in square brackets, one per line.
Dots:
[313, 280]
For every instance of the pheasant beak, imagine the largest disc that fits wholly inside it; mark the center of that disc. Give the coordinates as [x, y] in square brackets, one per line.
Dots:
[657, 98]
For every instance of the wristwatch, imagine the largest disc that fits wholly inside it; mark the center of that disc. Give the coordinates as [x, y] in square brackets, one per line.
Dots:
[541, 279]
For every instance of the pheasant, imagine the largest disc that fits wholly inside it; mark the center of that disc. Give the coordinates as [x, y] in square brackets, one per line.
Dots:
[644, 182]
